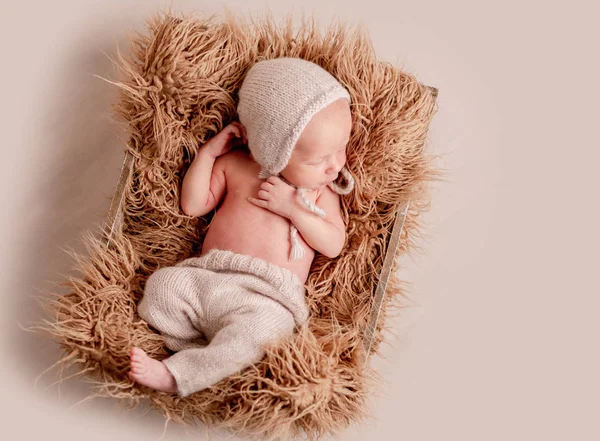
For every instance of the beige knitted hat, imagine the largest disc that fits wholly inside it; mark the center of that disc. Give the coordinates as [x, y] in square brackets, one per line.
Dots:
[277, 100]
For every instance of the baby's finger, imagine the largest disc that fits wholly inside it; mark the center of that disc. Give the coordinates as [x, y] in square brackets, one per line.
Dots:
[258, 202]
[236, 131]
[266, 185]
[263, 194]
[245, 134]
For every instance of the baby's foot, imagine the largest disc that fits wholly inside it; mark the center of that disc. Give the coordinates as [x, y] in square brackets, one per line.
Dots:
[150, 372]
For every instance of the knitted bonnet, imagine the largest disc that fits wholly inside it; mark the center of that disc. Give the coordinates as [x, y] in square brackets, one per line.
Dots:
[277, 100]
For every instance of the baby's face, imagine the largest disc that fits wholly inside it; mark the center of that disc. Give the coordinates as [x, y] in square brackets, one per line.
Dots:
[320, 152]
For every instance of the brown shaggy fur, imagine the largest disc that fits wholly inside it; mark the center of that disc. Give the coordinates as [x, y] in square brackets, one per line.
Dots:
[178, 90]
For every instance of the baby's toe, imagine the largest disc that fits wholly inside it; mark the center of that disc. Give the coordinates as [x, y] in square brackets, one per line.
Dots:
[138, 356]
[136, 376]
[137, 352]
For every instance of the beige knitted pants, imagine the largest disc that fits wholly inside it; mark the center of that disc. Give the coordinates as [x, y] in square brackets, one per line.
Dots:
[234, 302]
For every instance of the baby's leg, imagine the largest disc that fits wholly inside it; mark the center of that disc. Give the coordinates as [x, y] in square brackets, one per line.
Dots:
[234, 347]
[171, 304]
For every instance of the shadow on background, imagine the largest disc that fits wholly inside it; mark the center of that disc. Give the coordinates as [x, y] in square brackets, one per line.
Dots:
[72, 195]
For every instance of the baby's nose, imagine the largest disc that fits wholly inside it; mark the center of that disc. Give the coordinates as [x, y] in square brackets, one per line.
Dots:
[335, 168]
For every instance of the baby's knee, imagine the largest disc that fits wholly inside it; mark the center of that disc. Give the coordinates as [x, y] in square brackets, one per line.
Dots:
[162, 293]
[161, 280]
[273, 325]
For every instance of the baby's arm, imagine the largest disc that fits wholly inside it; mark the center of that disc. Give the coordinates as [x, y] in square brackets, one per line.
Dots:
[204, 184]
[325, 235]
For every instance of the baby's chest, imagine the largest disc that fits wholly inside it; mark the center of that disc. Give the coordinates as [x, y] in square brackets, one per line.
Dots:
[243, 182]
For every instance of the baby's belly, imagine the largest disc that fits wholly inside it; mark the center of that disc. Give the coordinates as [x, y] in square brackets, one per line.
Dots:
[244, 228]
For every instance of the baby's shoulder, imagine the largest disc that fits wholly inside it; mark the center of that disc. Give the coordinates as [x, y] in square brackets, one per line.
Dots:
[328, 194]
[329, 200]
[238, 156]
[236, 162]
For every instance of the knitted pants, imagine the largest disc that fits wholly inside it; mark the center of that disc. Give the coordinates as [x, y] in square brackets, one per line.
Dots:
[234, 302]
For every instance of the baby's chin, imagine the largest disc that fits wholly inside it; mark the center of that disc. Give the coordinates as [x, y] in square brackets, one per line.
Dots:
[318, 186]
[310, 186]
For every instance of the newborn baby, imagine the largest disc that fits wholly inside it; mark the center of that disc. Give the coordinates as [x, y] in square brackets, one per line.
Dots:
[246, 289]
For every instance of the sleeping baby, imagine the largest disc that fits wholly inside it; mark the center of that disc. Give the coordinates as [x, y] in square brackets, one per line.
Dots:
[278, 204]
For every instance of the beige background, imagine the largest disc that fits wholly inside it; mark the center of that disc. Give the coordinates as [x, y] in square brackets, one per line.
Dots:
[504, 341]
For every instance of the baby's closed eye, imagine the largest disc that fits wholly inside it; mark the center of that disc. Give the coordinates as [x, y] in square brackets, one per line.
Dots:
[320, 161]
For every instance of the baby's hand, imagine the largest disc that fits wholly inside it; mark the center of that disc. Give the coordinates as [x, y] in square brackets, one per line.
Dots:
[276, 196]
[226, 139]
